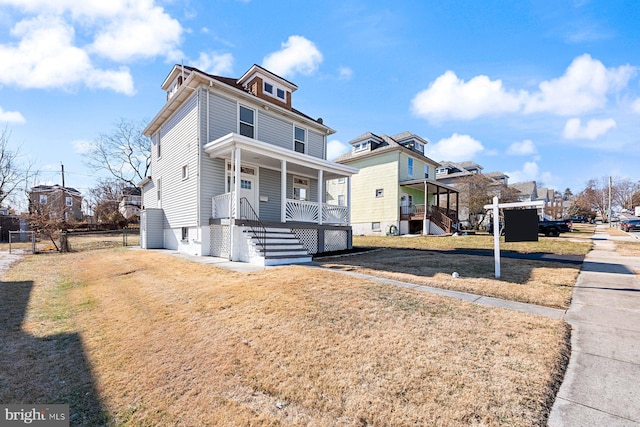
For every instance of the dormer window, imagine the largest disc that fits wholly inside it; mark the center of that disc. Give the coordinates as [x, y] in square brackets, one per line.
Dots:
[271, 89]
[361, 146]
[419, 147]
[280, 94]
[268, 88]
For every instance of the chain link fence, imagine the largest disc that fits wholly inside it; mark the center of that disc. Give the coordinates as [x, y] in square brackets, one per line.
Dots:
[72, 241]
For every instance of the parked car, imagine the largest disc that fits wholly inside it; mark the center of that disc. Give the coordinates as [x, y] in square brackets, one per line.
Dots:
[579, 218]
[630, 225]
[554, 228]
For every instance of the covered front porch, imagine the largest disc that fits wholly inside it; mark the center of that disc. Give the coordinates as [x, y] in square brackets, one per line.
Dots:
[440, 206]
[269, 188]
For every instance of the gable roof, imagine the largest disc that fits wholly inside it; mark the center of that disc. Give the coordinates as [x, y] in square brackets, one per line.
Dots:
[193, 77]
[384, 143]
[528, 188]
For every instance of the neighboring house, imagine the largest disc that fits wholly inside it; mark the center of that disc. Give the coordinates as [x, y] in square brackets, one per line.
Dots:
[237, 172]
[475, 187]
[131, 202]
[554, 204]
[395, 190]
[55, 201]
[526, 191]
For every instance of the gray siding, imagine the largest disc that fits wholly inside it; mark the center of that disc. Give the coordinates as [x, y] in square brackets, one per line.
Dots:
[211, 184]
[180, 144]
[151, 229]
[222, 116]
[316, 145]
[270, 187]
[274, 130]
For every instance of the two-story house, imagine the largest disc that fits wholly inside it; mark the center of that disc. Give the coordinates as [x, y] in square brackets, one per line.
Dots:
[56, 201]
[395, 191]
[237, 172]
[130, 203]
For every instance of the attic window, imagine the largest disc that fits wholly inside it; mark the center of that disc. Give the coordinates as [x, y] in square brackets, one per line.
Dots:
[362, 146]
[268, 87]
[280, 93]
[419, 147]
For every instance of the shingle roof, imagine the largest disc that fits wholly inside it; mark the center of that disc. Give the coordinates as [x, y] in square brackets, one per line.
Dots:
[386, 143]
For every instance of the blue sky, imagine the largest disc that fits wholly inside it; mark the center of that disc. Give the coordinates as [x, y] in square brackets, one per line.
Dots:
[546, 90]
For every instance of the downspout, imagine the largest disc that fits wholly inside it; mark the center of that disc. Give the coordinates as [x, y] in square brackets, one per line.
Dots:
[198, 195]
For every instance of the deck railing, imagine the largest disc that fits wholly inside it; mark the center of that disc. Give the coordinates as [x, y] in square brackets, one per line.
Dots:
[222, 206]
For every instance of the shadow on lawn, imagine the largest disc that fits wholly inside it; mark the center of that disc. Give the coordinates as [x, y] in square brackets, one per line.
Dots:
[48, 370]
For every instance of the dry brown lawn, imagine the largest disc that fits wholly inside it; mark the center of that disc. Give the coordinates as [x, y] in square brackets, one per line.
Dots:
[628, 248]
[534, 282]
[576, 243]
[142, 338]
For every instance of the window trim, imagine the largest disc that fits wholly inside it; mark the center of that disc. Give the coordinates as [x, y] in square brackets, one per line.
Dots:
[410, 167]
[241, 122]
[68, 201]
[264, 88]
[379, 192]
[43, 199]
[296, 140]
[304, 184]
[376, 226]
[185, 172]
[426, 171]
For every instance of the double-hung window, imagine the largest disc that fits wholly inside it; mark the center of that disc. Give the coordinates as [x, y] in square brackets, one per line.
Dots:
[247, 122]
[410, 167]
[300, 188]
[299, 139]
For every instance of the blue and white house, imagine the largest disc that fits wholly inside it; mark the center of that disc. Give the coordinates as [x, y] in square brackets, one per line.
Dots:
[237, 172]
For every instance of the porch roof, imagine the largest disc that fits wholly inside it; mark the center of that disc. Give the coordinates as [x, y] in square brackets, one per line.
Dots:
[438, 187]
[270, 156]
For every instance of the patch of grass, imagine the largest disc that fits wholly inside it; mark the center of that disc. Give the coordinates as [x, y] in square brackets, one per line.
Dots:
[536, 282]
[628, 248]
[165, 341]
[565, 244]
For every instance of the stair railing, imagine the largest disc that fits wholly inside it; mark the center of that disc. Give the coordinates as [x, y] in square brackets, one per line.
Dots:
[253, 221]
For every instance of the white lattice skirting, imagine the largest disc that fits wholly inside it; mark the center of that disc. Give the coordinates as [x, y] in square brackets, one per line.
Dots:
[220, 239]
[335, 240]
[308, 238]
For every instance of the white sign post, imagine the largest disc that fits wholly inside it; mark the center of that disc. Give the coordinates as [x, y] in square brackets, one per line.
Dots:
[495, 206]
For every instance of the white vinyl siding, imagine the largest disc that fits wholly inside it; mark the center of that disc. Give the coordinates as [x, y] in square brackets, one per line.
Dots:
[179, 139]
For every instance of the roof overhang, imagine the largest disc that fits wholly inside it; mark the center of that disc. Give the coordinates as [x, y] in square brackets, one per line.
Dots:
[271, 156]
[419, 184]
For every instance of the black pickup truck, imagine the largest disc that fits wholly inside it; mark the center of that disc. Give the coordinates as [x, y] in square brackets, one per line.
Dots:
[554, 228]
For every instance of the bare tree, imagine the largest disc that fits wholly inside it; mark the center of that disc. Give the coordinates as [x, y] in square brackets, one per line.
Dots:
[623, 191]
[476, 191]
[13, 172]
[104, 200]
[124, 152]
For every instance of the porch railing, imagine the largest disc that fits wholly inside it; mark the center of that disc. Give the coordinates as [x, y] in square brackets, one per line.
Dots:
[253, 221]
[300, 210]
[222, 206]
[335, 214]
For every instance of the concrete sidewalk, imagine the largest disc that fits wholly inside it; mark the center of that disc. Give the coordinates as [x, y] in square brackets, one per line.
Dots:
[602, 383]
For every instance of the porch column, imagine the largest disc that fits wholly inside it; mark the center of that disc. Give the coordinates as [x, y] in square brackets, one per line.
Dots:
[348, 180]
[425, 225]
[320, 189]
[283, 191]
[236, 186]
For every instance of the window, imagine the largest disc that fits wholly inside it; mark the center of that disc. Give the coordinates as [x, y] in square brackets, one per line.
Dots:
[380, 192]
[341, 180]
[245, 184]
[280, 93]
[159, 191]
[158, 151]
[185, 172]
[246, 122]
[410, 167]
[43, 199]
[300, 188]
[361, 146]
[268, 87]
[185, 234]
[340, 199]
[300, 139]
[68, 201]
[375, 226]
[426, 171]
[419, 147]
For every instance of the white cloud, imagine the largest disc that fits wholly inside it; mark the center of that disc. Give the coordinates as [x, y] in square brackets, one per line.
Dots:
[11, 117]
[451, 97]
[522, 148]
[455, 148]
[635, 107]
[335, 148]
[530, 172]
[345, 73]
[583, 87]
[46, 58]
[297, 55]
[594, 128]
[215, 63]
[141, 30]
[82, 146]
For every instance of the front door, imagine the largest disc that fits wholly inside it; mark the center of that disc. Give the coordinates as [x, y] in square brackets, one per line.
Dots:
[248, 190]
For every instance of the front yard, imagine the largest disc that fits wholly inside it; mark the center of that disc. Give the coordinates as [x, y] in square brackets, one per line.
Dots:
[141, 338]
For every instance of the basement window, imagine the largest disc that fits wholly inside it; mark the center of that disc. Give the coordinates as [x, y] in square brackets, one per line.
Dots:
[185, 234]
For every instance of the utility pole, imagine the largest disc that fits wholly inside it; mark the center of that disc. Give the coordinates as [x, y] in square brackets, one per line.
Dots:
[610, 212]
[64, 194]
